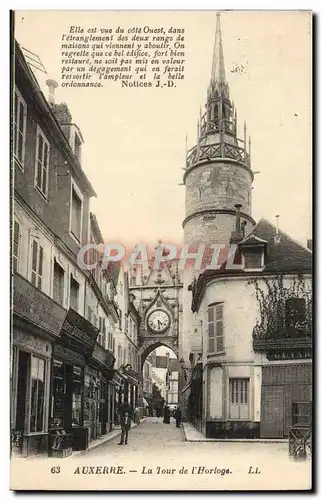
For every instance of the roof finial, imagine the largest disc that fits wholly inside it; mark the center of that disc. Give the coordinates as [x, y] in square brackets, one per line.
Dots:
[218, 66]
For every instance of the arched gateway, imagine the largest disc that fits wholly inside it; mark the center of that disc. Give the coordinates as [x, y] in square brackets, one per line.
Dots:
[149, 346]
[157, 298]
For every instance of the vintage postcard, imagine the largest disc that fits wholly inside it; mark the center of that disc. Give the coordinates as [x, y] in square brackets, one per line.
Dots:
[161, 250]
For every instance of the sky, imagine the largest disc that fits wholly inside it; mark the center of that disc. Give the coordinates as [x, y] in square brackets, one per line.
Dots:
[134, 148]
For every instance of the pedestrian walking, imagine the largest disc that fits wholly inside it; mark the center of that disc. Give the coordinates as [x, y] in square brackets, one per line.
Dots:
[125, 427]
[177, 416]
[166, 413]
[137, 416]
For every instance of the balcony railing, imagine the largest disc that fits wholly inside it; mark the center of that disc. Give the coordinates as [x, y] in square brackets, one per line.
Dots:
[286, 343]
[214, 151]
[213, 126]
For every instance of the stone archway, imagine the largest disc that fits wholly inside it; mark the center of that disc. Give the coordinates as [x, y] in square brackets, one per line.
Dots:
[147, 347]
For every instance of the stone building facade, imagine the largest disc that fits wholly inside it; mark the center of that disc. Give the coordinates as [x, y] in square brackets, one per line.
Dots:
[62, 375]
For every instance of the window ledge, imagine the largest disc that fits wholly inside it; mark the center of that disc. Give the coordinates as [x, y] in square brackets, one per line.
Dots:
[239, 420]
[44, 196]
[216, 354]
[38, 433]
[76, 240]
[19, 163]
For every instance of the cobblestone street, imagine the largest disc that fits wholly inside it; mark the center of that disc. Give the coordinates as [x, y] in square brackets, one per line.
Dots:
[157, 457]
[150, 433]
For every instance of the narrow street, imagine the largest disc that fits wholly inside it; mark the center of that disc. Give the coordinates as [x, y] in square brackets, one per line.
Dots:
[151, 433]
[162, 449]
[157, 457]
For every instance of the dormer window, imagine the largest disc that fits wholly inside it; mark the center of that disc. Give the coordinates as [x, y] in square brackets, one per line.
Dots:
[253, 250]
[254, 258]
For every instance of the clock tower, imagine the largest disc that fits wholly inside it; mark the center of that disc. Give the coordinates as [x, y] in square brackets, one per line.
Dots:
[217, 177]
[217, 174]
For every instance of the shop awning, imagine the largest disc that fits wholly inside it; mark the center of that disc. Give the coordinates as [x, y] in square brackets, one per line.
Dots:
[78, 333]
[117, 378]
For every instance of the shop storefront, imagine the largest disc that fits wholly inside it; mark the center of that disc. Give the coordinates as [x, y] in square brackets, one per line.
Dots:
[97, 393]
[72, 383]
[129, 395]
[117, 389]
[37, 322]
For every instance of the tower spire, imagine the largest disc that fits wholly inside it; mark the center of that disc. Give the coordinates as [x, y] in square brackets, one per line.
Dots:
[218, 66]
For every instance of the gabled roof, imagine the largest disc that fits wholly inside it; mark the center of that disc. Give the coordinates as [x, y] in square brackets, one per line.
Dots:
[251, 240]
[283, 257]
[287, 254]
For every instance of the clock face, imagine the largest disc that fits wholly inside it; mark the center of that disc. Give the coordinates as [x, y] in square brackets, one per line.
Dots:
[158, 321]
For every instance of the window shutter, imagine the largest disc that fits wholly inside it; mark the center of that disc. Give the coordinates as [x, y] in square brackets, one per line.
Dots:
[16, 241]
[34, 254]
[40, 265]
[15, 121]
[104, 333]
[89, 313]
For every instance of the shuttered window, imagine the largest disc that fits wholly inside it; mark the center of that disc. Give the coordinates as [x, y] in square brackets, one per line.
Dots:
[239, 398]
[215, 329]
[59, 283]
[16, 246]
[42, 163]
[19, 128]
[76, 215]
[89, 313]
[37, 254]
[74, 293]
[102, 332]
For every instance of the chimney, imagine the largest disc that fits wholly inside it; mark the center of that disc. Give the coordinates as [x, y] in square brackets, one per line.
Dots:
[277, 237]
[238, 207]
[237, 235]
[309, 244]
[52, 85]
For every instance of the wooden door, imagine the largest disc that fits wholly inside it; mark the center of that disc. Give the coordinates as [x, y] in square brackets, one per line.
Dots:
[272, 412]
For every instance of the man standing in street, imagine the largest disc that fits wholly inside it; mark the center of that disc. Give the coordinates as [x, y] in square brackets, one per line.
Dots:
[125, 427]
[177, 416]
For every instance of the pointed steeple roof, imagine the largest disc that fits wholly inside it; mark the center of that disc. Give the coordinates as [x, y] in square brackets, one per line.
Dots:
[218, 83]
[218, 66]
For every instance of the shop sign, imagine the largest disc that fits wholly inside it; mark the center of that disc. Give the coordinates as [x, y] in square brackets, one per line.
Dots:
[26, 340]
[117, 379]
[35, 306]
[99, 354]
[67, 354]
[110, 359]
[132, 380]
[79, 332]
[132, 374]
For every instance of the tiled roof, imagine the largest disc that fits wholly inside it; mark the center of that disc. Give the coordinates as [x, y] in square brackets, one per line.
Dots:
[287, 255]
[284, 256]
[252, 239]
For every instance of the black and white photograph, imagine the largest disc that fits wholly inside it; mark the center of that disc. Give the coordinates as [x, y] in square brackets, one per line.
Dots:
[161, 250]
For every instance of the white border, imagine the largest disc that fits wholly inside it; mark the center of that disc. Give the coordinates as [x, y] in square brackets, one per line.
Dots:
[5, 194]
